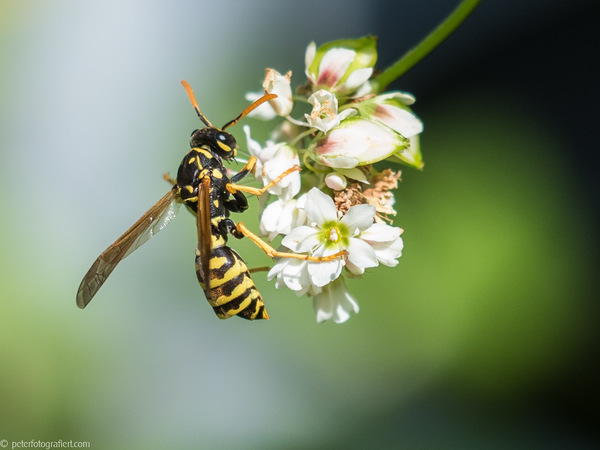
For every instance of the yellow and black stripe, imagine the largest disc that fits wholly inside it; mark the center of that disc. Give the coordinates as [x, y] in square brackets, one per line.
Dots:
[232, 291]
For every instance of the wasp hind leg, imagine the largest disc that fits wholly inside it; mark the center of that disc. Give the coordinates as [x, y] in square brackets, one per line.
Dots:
[241, 230]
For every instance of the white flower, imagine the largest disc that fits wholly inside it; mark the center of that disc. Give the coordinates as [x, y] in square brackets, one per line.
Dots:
[293, 274]
[274, 83]
[326, 235]
[385, 241]
[324, 115]
[278, 84]
[334, 302]
[330, 302]
[272, 161]
[280, 217]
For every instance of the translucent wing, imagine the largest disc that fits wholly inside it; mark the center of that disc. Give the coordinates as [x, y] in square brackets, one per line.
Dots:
[154, 220]
[203, 225]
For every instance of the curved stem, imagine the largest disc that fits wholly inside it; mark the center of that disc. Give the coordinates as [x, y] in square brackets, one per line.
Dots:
[305, 161]
[301, 135]
[416, 54]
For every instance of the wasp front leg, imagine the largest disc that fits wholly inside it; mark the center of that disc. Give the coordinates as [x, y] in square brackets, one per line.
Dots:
[249, 167]
[233, 187]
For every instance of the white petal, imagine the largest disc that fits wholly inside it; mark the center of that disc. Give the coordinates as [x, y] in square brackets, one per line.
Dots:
[278, 84]
[262, 112]
[357, 78]
[346, 113]
[356, 270]
[323, 96]
[359, 217]
[279, 158]
[388, 252]
[381, 232]
[334, 302]
[277, 273]
[301, 239]
[399, 119]
[253, 146]
[319, 207]
[347, 304]
[361, 254]
[292, 274]
[340, 162]
[323, 305]
[295, 275]
[270, 217]
[308, 59]
[323, 273]
[280, 217]
[333, 65]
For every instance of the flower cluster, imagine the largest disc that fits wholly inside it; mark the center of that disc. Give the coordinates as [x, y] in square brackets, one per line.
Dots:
[340, 201]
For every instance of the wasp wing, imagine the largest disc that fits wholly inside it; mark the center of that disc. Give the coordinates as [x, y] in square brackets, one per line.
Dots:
[204, 228]
[154, 220]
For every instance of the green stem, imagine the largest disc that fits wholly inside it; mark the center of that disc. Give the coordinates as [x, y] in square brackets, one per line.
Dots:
[416, 54]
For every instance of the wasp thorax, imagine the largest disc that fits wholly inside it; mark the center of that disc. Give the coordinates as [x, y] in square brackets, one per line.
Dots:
[219, 141]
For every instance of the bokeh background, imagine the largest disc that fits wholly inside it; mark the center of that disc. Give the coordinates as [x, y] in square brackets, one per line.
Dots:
[484, 336]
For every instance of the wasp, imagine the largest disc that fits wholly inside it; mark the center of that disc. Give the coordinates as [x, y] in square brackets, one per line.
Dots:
[203, 186]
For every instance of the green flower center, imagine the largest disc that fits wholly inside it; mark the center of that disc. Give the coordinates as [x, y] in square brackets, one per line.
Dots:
[334, 233]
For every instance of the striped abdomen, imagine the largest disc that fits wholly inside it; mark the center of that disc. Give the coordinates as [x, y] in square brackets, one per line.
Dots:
[232, 291]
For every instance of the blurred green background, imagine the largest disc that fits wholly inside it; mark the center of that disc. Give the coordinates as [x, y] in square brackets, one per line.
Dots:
[485, 335]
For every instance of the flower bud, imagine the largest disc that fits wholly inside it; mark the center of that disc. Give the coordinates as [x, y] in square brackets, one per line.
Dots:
[392, 110]
[336, 181]
[343, 65]
[355, 142]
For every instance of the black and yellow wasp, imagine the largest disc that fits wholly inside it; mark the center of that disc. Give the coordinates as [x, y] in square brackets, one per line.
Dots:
[203, 186]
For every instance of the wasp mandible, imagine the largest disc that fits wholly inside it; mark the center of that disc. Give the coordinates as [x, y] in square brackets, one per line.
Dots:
[203, 186]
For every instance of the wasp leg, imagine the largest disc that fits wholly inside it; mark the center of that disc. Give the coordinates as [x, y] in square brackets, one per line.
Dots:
[259, 269]
[249, 167]
[233, 188]
[241, 230]
[239, 203]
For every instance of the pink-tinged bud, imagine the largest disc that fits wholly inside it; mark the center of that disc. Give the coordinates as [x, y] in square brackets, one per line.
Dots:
[355, 142]
[341, 66]
[392, 111]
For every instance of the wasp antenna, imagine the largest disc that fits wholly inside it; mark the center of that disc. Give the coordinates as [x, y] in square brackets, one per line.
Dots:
[190, 94]
[253, 106]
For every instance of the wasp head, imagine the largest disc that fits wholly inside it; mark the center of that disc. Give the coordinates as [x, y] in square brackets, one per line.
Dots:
[217, 141]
